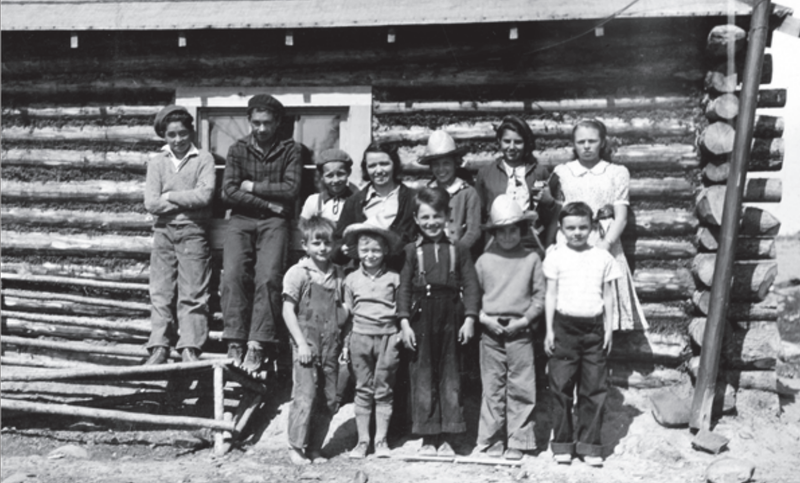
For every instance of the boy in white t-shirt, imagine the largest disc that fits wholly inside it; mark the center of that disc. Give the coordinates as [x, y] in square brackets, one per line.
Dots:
[578, 310]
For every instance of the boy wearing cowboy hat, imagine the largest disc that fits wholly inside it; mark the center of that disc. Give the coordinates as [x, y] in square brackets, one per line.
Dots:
[513, 301]
[370, 292]
[445, 161]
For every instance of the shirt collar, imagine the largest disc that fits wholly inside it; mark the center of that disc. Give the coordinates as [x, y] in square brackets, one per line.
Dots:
[457, 185]
[193, 151]
[324, 196]
[372, 277]
[579, 170]
[371, 193]
[422, 239]
[308, 264]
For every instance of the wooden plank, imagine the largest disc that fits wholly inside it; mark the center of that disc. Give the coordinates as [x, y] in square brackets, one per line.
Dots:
[140, 326]
[78, 219]
[659, 284]
[126, 350]
[13, 242]
[64, 158]
[658, 223]
[657, 102]
[86, 191]
[655, 249]
[118, 134]
[160, 371]
[55, 280]
[133, 272]
[27, 328]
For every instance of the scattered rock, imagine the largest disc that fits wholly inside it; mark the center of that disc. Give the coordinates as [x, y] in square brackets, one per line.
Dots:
[707, 441]
[730, 470]
[522, 475]
[360, 477]
[69, 451]
[189, 441]
[670, 410]
[311, 475]
[19, 478]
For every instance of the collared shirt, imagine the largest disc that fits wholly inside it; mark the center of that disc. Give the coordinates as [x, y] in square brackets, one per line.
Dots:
[275, 175]
[372, 299]
[518, 188]
[580, 276]
[329, 207]
[381, 210]
[604, 184]
[299, 277]
[464, 224]
[179, 162]
[189, 184]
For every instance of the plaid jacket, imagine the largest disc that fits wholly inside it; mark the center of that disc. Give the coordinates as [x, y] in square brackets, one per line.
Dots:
[275, 176]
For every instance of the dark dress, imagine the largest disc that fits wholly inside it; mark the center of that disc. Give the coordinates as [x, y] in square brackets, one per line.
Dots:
[432, 300]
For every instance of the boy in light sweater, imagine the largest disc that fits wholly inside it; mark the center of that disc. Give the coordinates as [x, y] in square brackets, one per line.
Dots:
[513, 301]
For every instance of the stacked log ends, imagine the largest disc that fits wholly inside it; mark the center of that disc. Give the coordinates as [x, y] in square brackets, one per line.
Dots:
[747, 248]
[718, 138]
[755, 221]
[756, 348]
[723, 108]
[766, 310]
[751, 280]
[724, 37]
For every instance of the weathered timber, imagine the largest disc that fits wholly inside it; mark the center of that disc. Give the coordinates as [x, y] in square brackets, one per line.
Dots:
[138, 373]
[117, 134]
[72, 392]
[43, 362]
[657, 102]
[751, 280]
[678, 157]
[722, 108]
[86, 112]
[643, 346]
[721, 82]
[640, 375]
[79, 245]
[771, 98]
[83, 282]
[768, 126]
[87, 191]
[541, 128]
[756, 348]
[724, 38]
[754, 221]
[659, 285]
[740, 312]
[756, 190]
[663, 311]
[661, 223]
[78, 219]
[747, 248]
[126, 350]
[131, 273]
[71, 304]
[138, 326]
[767, 155]
[52, 357]
[27, 328]
[115, 415]
[62, 158]
[645, 249]
[717, 139]
[756, 380]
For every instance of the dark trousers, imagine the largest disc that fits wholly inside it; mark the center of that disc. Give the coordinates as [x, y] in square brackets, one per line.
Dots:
[180, 273]
[253, 266]
[433, 367]
[579, 358]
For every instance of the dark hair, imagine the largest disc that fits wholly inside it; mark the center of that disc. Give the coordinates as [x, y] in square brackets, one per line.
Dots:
[317, 227]
[605, 148]
[576, 208]
[391, 151]
[182, 117]
[437, 198]
[516, 124]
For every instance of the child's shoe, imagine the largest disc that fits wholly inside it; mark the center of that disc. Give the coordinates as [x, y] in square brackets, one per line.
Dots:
[513, 454]
[316, 457]
[596, 461]
[495, 450]
[563, 458]
[298, 457]
[382, 449]
[446, 451]
[360, 451]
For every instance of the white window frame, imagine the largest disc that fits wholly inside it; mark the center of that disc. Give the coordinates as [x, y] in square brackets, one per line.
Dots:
[355, 132]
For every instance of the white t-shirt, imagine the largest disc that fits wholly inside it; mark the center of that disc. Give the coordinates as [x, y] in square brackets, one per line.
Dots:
[580, 276]
[331, 208]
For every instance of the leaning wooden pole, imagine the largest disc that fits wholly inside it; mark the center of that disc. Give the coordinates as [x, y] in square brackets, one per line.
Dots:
[705, 388]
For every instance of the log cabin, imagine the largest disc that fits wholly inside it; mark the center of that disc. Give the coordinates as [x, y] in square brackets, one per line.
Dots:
[83, 79]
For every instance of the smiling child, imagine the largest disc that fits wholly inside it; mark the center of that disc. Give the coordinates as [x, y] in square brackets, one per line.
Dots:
[333, 169]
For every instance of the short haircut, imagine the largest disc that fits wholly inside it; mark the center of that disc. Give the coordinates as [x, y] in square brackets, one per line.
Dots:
[317, 227]
[605, 147]
[374, 236]
[391, 151]
[577, 208]
[182, 117]
[437, 198]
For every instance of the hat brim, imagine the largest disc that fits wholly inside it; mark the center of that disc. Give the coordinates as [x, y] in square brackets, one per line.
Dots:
[352, 232]
[527, 217]
[426, 159]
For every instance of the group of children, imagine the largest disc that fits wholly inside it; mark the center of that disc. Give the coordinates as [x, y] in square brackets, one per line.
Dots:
[439, 301]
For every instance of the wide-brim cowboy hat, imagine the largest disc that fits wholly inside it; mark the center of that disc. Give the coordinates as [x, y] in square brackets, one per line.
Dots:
[440, 145]
[505, 211]
[352, 232]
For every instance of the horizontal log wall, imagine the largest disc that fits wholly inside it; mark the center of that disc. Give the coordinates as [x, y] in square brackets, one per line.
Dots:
[77, 138]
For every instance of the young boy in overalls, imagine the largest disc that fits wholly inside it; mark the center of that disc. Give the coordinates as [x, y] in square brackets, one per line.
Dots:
[314, 314]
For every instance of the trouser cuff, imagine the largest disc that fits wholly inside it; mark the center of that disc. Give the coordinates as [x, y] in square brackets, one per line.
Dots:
[585, 449]
[562, 448]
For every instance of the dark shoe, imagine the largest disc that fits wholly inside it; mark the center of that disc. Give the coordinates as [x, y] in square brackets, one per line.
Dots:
[159, 355]
[236, 352]
[189, 354]
[254, 358]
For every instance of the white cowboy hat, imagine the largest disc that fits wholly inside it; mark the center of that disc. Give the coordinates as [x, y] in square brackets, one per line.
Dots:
[352, 232]
[505, 211]
[440, 144]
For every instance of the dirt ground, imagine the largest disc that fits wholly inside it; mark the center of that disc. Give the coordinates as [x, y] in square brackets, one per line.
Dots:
[764, 430]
